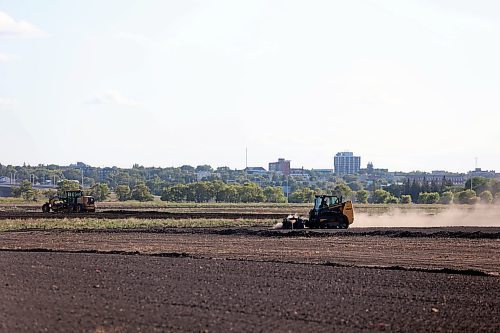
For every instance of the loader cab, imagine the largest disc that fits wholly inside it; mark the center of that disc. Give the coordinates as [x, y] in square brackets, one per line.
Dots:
[325, 201]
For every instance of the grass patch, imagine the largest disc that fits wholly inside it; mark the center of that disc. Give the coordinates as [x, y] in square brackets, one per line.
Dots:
[90, 223]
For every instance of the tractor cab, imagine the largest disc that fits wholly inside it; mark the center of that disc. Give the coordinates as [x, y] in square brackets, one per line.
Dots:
[71, 197]
[325, 201]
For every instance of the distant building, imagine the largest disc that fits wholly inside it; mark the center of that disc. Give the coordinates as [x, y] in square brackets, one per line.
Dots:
[203, 175]
[282, 166]
[297, 172]
[437, 176]
[255, 171]
[346, 163]
[482, 173]
[4, 179]
[323, 171]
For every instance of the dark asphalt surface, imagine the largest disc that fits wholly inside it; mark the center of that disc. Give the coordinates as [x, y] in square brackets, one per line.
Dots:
[75, 292]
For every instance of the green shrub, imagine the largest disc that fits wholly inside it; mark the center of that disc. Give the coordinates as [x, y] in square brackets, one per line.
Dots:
[486, 197]
[446, 198]
[406, 199]
[392, 200]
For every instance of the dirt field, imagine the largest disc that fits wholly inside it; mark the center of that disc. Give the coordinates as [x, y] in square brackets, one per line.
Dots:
[221, 279]
[155, 269]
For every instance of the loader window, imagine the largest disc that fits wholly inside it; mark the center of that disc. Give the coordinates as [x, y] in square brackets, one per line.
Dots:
[317, 203]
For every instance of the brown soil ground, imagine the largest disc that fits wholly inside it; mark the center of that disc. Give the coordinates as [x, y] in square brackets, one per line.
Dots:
[250, 280]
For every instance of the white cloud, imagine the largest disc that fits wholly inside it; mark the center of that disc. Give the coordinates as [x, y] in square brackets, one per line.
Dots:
[10, 28]
[4, 57]
[112, 97]
[7, 103]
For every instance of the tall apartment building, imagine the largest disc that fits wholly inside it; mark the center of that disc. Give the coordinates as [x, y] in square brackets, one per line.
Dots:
[346, 163]
[282, 166]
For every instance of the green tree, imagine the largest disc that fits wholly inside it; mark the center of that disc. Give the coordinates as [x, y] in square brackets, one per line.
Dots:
[27, 192]
[497, 198]
[341, 189]
[49, 193]
[176, 193]
[355, 186]
[274, 194]
[67, 185]
[362, 196]
[218, 188]
[100, 191]
[466, 197]
[428, 198]
[406, 199]
[495, 186]
[205, 167]
[251, 192]
[380, 196]
[16, 192]
[122, 192]
[230, 193]
[303, 195]
[446, 198]
[141, 193]
[200, 192]
[479, 184]
[486, 197]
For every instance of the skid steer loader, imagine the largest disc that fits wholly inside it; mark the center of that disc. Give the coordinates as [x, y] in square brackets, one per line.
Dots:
[329, 211]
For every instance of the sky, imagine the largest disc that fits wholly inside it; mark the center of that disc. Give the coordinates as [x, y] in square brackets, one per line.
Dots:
[408, 85]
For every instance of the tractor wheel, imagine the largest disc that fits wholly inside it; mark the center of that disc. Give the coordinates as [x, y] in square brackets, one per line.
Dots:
[287, 224]
[299, 224]
[45, 208]
[345, 223]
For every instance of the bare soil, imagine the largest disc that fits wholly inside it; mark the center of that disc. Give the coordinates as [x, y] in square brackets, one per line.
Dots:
[202, 279]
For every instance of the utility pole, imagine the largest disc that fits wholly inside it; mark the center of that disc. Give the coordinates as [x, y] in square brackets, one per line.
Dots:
[82, 177]
[287, 190]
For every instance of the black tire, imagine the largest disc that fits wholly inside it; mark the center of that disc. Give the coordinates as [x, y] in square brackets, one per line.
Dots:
[45, 208]
[299, 224]
[345, 223]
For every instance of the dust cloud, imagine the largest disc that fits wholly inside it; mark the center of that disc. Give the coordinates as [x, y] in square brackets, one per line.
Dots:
[477, 216]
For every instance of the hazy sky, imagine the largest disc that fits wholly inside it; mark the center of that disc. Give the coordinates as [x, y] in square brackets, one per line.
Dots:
[408, 85]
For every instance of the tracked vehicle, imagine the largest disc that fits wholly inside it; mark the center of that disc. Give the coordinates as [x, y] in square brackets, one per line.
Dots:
[70, 202]
[329, 211]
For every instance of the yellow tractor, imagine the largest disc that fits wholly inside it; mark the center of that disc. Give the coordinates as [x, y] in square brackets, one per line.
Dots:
[329, 211]
[72, 201]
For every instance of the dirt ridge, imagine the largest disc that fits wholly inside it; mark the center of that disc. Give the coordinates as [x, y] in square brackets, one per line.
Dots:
[445, 270]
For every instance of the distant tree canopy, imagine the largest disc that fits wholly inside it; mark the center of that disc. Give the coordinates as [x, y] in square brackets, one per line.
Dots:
[141, 192]
[122, 192]
[428, 198]
[67, 185]
[446, 198]
[303, 195]
[219, 191]
[362, 196]
[27, 192]
[224, 184]
[100, 191]
[381, 196]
